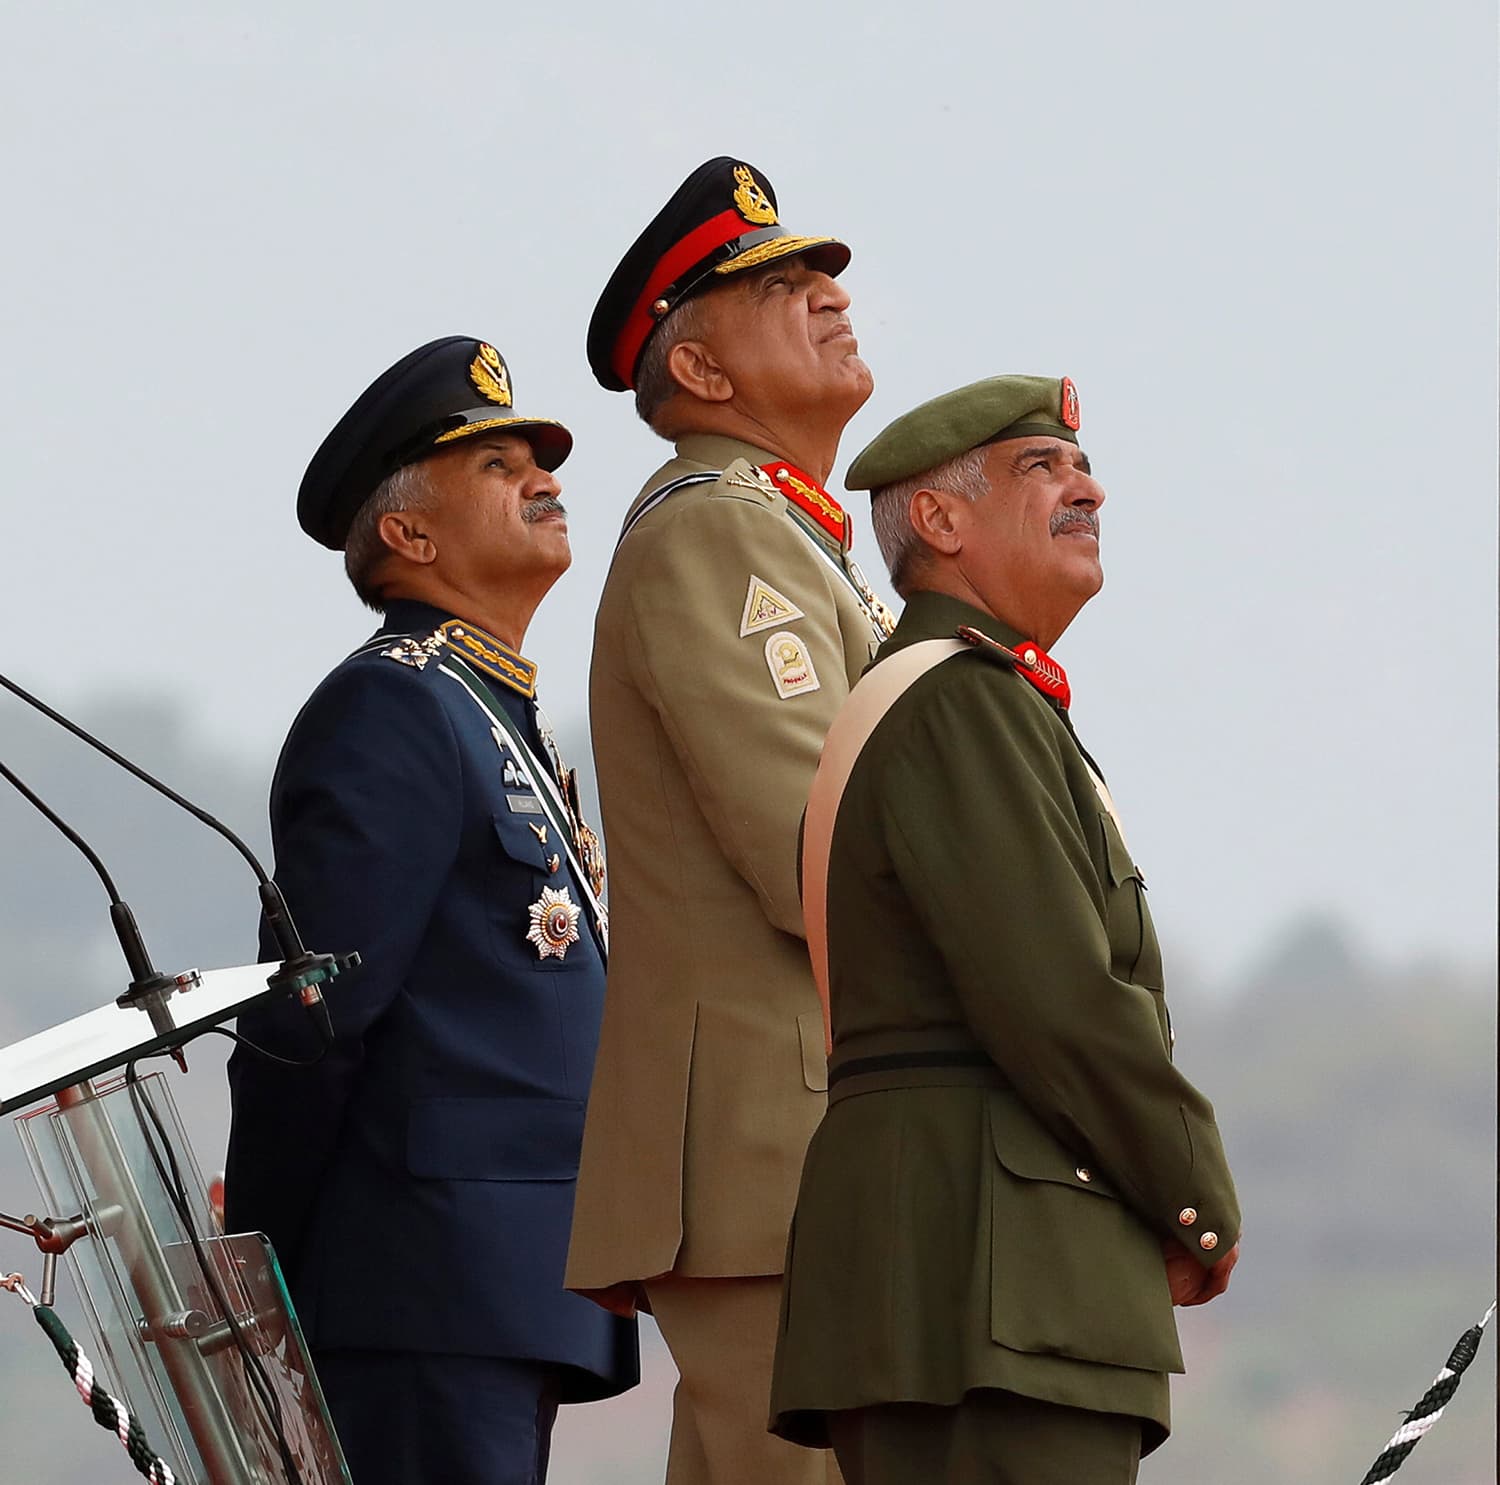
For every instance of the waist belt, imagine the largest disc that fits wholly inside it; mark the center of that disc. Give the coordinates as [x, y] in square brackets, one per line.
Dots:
[942, 1058]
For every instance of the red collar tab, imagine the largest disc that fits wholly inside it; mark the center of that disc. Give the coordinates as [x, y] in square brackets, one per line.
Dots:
[810, 498]
[1029, 660]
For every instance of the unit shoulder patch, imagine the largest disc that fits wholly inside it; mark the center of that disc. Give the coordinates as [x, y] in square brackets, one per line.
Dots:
[765, 608]
[791, 666]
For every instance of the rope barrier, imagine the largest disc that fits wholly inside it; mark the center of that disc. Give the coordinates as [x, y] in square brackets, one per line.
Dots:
[109, 1412]
[1420, 1421]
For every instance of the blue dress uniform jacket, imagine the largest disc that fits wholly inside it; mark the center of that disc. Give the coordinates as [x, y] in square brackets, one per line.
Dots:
[418, 1181]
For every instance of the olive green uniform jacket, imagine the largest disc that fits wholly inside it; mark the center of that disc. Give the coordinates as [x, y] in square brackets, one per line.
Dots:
[956, 1237]
[711, 1069]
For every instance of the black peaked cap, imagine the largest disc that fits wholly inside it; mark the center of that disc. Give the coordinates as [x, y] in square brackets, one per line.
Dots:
[443, 391]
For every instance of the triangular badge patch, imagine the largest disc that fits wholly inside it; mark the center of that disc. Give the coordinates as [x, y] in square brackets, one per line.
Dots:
[765, 608]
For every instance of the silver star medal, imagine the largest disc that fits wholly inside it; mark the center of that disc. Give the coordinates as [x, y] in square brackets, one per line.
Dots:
[554, 923]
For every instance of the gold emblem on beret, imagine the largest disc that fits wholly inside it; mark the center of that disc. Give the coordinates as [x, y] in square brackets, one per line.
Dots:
[491, 379]
[554, 923]
[752, 203]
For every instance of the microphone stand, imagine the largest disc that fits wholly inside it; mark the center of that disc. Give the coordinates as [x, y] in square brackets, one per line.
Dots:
[119, 1207]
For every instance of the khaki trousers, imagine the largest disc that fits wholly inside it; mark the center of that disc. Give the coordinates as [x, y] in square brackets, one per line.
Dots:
[722, 1335]
[990, 1438]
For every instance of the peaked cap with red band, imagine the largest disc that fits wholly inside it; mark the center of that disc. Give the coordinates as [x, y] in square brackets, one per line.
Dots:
[720, 221]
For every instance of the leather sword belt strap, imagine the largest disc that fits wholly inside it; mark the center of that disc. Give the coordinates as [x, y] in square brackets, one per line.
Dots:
[942, 1057]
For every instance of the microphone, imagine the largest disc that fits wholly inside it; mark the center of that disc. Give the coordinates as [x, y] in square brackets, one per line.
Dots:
[300, 972]
[147, 984]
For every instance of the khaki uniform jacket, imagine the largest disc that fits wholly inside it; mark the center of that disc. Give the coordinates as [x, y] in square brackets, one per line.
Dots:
[950, 1236]
[711, 1072]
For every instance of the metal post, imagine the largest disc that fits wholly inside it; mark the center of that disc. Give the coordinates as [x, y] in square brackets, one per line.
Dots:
[208, 1420]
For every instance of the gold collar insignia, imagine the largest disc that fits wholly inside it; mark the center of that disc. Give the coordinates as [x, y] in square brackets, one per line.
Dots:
[493, 657]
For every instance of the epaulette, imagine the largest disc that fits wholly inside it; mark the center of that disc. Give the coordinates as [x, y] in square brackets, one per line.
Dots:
[490, 656]
[1031, 662]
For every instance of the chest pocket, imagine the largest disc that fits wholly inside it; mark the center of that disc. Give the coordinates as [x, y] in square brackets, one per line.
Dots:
[521, 866]
[1134, 950]
[526, 834]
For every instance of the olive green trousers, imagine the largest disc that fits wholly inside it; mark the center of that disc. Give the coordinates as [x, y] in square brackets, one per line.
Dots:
[991, 1438]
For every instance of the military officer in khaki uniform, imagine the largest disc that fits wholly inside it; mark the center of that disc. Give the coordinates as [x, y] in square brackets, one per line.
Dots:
[1013, 1185]
[731, 627]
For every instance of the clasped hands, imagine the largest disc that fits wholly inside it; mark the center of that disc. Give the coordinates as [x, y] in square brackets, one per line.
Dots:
[1191, 1283]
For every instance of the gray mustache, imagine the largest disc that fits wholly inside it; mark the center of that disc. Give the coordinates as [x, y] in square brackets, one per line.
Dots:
[546, 506]
[1070, 520]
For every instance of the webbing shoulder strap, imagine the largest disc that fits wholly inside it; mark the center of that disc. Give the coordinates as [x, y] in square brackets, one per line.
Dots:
[658, 495]
[872, 697]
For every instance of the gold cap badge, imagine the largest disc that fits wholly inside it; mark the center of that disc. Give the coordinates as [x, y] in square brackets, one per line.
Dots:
[752, 203]
[491, 379]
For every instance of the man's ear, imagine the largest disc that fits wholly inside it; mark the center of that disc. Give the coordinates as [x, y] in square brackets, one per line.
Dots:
[696, 370]
[932, 515]
[404, 533]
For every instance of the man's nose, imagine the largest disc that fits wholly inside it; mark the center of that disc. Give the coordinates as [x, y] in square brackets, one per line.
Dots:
[543, 482]
[1085, 491]
[828, 293]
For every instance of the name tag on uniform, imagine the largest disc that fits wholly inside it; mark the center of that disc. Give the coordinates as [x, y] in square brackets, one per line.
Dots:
[524, 804]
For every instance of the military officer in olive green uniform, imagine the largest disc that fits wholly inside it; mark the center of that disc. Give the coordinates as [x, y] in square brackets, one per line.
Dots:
[731, 627]
[1013, 1184]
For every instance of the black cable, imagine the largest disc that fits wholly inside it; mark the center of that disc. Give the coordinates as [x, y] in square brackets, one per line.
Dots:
[67, 830]
[270, 1056]
[140, 773]
[170, 1175]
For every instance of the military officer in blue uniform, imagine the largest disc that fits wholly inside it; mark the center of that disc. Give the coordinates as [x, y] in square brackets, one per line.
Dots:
[417, 1180]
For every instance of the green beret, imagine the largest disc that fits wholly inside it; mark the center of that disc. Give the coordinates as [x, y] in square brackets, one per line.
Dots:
[983, 412]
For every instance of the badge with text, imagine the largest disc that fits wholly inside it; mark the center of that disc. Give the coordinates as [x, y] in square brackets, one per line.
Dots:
[790, 665]
[765, 608]
[554, 923]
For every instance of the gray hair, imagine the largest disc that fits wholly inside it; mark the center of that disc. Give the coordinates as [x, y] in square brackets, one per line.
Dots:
[654, 384]
[890, 510]
[408, 488]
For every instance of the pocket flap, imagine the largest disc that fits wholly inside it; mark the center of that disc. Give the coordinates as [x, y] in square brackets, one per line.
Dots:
[1026, 1149]
[1121, 866]
[527, 838]
[494, 1139]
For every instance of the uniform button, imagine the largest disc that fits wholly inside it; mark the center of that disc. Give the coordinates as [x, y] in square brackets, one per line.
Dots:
[1209, 1241]
[1084, 1173]
[1187, 1216]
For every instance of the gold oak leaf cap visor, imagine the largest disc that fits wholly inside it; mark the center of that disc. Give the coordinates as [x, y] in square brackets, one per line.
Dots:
[444, 391]
[720, 221]
[997, 408]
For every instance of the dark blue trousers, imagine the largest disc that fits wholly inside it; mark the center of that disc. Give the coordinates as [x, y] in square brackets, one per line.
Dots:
[407, 1418]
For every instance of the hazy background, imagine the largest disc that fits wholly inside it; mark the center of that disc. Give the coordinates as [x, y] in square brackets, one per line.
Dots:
[1261, 242]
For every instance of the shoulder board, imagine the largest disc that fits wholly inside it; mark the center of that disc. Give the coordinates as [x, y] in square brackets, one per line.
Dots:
[488, 655]
[987, 646]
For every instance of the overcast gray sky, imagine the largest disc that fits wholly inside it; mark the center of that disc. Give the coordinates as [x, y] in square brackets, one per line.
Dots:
[1260, 239]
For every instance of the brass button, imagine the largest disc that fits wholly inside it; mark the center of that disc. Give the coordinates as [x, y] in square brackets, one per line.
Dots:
[1084, 1173]
[1187, 1216]
[1209, 1241]
[660, 307]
